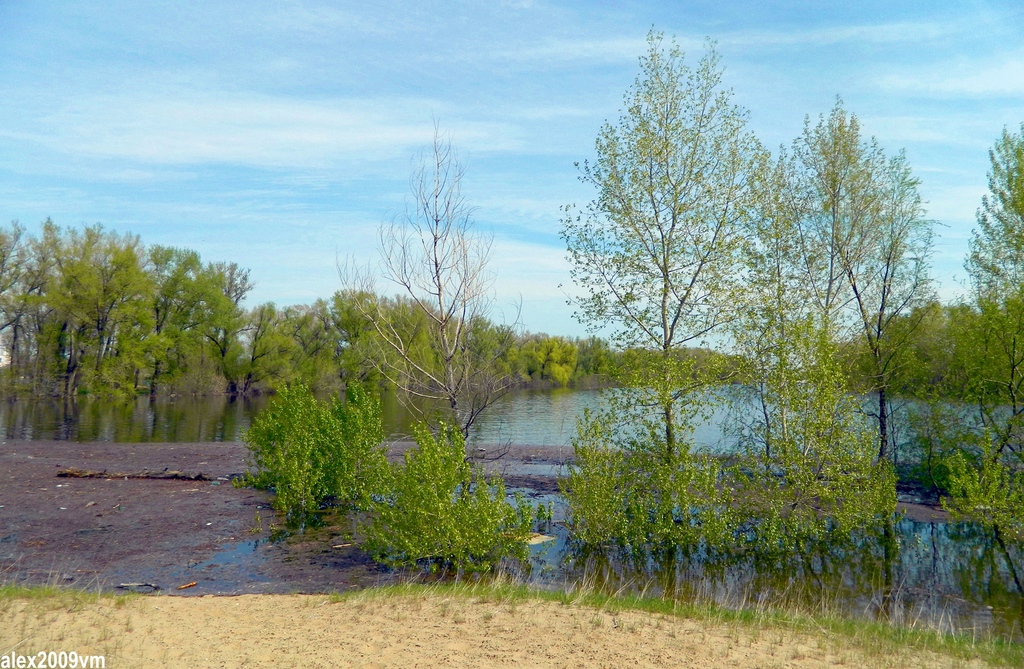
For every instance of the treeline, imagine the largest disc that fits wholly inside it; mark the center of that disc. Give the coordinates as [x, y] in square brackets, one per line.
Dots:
[93, 311]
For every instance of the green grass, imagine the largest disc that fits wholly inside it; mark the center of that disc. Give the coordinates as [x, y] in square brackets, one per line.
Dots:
[60, 596]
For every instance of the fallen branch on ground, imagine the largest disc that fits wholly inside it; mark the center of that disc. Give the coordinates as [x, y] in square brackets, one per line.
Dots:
[75, 473]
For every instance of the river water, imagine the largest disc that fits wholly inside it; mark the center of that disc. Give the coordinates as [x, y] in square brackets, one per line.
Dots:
[946, 575]
[523, 417]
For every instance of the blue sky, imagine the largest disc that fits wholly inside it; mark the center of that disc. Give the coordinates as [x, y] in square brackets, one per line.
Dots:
[280, 134]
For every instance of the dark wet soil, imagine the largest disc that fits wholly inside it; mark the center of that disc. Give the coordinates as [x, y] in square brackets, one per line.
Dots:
[104, 532]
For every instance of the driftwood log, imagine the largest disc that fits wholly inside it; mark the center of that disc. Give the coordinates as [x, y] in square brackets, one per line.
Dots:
[75, 473]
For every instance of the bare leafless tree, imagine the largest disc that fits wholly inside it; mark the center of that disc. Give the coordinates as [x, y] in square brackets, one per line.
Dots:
[434, 254]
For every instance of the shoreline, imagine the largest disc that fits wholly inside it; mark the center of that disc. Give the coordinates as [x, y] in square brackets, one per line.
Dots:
[100, 532]
[463, 625]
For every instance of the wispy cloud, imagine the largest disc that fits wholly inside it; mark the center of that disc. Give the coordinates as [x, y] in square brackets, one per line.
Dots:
[875, 33]
[557, 51]
[1003, 76]
[250, 129]
[629, 48]
[953, 129]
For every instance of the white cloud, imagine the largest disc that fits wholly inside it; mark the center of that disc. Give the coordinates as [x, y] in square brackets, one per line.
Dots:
[569, 50]
[255, 130]
[884, 33]
[1003, 76]
[952, 129]
[630, 48]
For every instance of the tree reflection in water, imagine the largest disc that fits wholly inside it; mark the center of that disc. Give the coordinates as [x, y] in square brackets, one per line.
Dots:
[953, 577]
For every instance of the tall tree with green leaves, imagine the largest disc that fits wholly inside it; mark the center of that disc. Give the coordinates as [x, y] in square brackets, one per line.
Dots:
[315, 352]
[227, 320]
[657, 257]
[806, 473]
[996, 260]
[99, 291]
[181, 304]
[987, 480]
[13, 259]
[656, 252]
[265, 360]
[864, 242]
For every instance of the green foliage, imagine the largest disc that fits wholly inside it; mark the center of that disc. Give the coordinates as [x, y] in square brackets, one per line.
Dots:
[996, 260]
[656, 254]
[185, 293]
[805, 472]
[941, 431]
[443, 511]
[638, 499]
[92, 311]
[594, 358]
[989, 492]
[655, 251]
[314, 350]
[308, 451]
[97, 292]
[544, 358]
[986, 478]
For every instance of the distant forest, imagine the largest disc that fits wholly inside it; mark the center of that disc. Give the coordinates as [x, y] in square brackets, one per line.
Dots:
[93, 311]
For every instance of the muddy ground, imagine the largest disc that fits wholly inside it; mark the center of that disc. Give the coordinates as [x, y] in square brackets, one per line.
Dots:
[104, 532]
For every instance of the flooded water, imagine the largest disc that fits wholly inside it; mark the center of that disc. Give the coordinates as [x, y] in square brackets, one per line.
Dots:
[946, 576]
[534, 417]
[942, 575]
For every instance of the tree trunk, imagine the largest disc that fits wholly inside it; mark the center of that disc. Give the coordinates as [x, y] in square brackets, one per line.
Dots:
[155, 379]
[883, 424]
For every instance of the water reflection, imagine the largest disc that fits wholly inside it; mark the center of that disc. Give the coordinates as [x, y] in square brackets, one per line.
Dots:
[182, 419]
[521, 417]
[947, 576]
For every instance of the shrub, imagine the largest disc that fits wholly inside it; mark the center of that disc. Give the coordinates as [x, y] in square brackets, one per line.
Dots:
[639, 500]
[441, 510]
[308, 451]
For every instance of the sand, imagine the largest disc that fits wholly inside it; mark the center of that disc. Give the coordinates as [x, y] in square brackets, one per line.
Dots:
[434, 630]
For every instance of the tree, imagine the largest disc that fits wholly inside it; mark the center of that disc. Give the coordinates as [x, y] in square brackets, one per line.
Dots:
[805, 472]
[14, 267]
[182, 300]
[266, 352]
[439, 263]
[13, 259]
[357, 347]
[656, 253]
[548, 358]
[99, 292]
[864, 242]
[987, 483]
[227, 320]
[315, 352]
[996, 261]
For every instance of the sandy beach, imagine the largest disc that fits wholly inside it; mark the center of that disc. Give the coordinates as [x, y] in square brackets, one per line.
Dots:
[374, 630]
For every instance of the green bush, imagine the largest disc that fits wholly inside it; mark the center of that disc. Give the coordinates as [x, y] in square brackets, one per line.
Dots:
[308, 451]
[638, 500]
[442, 511]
